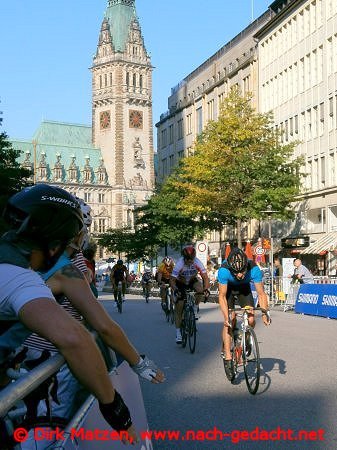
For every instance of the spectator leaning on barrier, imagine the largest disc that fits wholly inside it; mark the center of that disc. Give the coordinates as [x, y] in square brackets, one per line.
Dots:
[301, 273]
[44, 220]
[66, 281]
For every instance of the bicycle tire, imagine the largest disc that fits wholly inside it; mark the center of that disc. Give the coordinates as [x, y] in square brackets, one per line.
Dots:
[172, 314]
[251, 360]
[183, 330]
[192, 332]
[168, 307]
[119, 302]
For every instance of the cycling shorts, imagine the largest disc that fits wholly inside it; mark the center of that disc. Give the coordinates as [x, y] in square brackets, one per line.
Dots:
[244, 294]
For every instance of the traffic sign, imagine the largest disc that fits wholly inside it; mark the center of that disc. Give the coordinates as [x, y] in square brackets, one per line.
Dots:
[202, 251]
[258, 250]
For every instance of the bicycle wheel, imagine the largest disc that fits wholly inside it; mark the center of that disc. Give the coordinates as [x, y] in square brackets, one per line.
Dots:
[251, 360]
[192, 332]
[172, 313]
[183, 329]
[119, 302]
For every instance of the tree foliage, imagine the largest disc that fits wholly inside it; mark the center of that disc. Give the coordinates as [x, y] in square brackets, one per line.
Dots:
[239, 166]
[12, 176]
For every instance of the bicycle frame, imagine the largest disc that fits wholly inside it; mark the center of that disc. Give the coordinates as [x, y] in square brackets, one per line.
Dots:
[246, 350]
[188, 325]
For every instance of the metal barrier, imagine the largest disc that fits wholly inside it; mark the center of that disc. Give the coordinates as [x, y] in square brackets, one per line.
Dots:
[27, 383]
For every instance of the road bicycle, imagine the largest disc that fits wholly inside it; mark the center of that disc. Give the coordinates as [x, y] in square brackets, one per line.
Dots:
[188, 327]
[169, 308]
[244, 349]
[119, 300]
[147, 290]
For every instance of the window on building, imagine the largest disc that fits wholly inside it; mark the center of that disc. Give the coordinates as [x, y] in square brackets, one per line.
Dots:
[181, 154]
[171, 134]
[189, 123]
[87, 197]
[101, 225]
[127, 79]
[101, 198]
[171, 161]
[141, 81]
[199, 120]
[322, 170]
[210, 110]
[180, 129]
[164, 138]
[100, 81]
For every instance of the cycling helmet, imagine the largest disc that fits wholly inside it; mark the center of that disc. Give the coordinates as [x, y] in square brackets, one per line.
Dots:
[188, 252]
[86, 212]
[237, 261]
[168, 261]
[120, 262]
[45, 215]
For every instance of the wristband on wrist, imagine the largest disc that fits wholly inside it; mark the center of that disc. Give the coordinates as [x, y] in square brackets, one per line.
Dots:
[116, 413]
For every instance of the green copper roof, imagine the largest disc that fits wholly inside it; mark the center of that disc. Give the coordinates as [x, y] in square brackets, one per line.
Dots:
[50, 132]
[120, 14]
[65, 141]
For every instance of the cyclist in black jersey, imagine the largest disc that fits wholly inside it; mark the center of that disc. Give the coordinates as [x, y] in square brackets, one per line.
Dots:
[119, 273]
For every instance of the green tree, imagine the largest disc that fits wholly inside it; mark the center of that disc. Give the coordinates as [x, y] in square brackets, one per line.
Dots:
[12, 176]
[239, 166]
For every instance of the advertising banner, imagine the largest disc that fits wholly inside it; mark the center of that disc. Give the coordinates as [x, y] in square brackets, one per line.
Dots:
[317, 300]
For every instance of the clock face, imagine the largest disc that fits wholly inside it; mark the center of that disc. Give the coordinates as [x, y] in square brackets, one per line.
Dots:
[105, 120]
[135, 119]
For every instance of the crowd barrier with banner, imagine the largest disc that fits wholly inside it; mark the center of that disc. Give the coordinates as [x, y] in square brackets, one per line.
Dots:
[317, 300]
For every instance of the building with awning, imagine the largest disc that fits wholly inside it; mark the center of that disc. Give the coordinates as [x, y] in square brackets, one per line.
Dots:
[323, 252]
[324, 244]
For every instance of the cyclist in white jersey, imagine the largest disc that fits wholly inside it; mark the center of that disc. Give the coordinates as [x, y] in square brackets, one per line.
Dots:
[185, 276]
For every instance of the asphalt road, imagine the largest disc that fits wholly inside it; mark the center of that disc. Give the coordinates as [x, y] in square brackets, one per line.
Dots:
[297, 391]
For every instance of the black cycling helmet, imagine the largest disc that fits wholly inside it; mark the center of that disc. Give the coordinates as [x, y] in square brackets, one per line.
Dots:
[120, 262]
[45, 215]
[237, 261]
[188, 252]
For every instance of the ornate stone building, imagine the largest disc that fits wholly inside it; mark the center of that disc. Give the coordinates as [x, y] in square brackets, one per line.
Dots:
[111, 164]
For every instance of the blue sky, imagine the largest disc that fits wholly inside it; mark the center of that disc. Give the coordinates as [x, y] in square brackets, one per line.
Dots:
[47, 48]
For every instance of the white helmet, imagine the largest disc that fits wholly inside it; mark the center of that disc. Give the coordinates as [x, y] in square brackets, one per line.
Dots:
[86, 212]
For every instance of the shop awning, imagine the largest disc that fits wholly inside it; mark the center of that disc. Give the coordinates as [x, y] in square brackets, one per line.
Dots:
[326, 243]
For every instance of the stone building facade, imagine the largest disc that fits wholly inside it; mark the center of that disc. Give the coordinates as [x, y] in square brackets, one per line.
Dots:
[110, 165]
[197, 99]
[292, 71]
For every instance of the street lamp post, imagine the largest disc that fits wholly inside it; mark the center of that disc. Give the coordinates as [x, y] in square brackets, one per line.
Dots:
[270, 212]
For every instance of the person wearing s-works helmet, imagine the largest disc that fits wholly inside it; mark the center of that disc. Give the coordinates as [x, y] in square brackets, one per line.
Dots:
[43, 220]
[234, 278]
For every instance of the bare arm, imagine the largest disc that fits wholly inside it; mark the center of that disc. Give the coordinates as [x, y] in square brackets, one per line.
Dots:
[223, 301]
[74, 287]
[205, 280]
[52, 322]
[263, 300]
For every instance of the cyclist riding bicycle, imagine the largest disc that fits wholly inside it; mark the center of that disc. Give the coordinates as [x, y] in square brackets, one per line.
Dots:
[235, 277]
[164, 272]
[147, 279]
[119, 273]
[185, 276]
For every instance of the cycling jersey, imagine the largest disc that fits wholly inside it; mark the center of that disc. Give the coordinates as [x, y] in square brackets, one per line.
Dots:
[147, 277]
[119, 273]
[254, 274]
[186, 272]
[165, 271]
